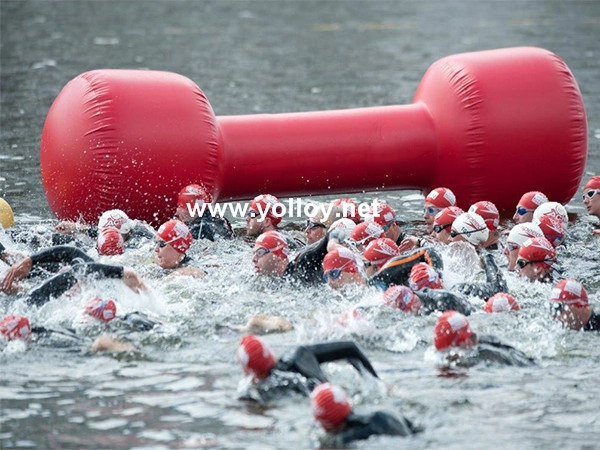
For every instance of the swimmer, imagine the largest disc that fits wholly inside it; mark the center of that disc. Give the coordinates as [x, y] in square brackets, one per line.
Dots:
[297, 370]
[341, 268]
[536, 260]
[377, 253]
[264, 214]
[205, 226]
[570, 306]
[516, 237]
[331, 408]
[527, 205]
[461, 347]
[591, 199]
[386, 217]
[470, 227]
[363, 233]
[438, 199]
[501, 302]
[491, 216]
[397, 270]
[16, 327]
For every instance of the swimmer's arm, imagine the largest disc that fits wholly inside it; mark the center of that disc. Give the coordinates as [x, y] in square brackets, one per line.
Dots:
[59, 254]
[68, 227]
[333, 351]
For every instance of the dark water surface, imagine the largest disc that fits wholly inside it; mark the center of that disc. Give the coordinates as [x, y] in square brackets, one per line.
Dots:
[283, 56]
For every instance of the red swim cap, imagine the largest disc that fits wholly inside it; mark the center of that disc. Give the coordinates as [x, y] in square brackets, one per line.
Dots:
[422, 275]
[501, 302]
[553, 228]
[15, 327]
[340, 258]
[441, 198]
[402, 298]
[452, 329]
[489, 212]
[268, 205]
[177, 234]
[570, 292]
[531, 200]
[593, 183]
[538, 249]
[274, 242]
[102, 309]
[365, 232]
[330, 406]
[193, 194]
[383, 214]
[447, 215]
[255, 356]
[349, 208]
[380, 251]
[110, 242]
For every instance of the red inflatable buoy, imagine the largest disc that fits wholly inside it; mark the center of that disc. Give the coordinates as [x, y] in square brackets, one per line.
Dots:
[489, 125]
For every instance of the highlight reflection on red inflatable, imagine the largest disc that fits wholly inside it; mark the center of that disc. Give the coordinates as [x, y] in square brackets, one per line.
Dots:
[490, 125]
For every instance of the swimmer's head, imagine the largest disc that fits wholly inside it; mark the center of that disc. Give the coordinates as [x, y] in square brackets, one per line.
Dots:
[102, 309]
[501, 302]
[330, 406]
[402, 298]
[553, 208]
[365, 232]
[255, 357]
[176, 234]
[489, 212]
[349, 208]
[452, 330]
[15, 327]
[422, 276]
[380, 251]
[527, 205]
[470, 227]
[117, 219]
[552, 227]
[440, 198]
[7, 218]
[110, 242]
[570, 292]
[191, 197]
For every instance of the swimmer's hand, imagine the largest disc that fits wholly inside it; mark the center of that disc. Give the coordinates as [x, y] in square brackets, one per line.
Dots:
[264, 323]
[17, 271]
[66, 227]
[133, 281]
[111, 344]
[409, 243]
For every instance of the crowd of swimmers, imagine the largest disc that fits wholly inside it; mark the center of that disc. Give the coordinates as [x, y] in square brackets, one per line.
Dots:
[339, 248]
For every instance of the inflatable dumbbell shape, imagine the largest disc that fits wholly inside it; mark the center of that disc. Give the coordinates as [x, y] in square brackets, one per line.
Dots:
[490, 125]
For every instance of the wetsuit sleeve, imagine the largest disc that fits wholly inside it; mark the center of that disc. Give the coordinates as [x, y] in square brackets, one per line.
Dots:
[65, 254]
[494, 283]
[63, 281]
[308, 264]
[490, 348]
[2, 250]
[334, 351]
[443, 300]
[360, 427]
[397, 270]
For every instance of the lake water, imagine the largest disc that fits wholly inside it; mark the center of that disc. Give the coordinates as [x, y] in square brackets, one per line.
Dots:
[180, 390]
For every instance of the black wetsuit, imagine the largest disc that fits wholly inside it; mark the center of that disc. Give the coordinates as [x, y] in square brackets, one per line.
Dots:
[397, 270]
[491, 349]
[307, 266]
[2, 250]
[210, 227]
[299, 370]
[443, 300]
[594, 323]
[363, 426]
[52, 259]
[494, 283]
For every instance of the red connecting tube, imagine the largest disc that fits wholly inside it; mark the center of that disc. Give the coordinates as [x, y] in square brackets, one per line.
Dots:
[489, 125]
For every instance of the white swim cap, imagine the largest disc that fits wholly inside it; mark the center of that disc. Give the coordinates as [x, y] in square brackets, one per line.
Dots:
[470, 226]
